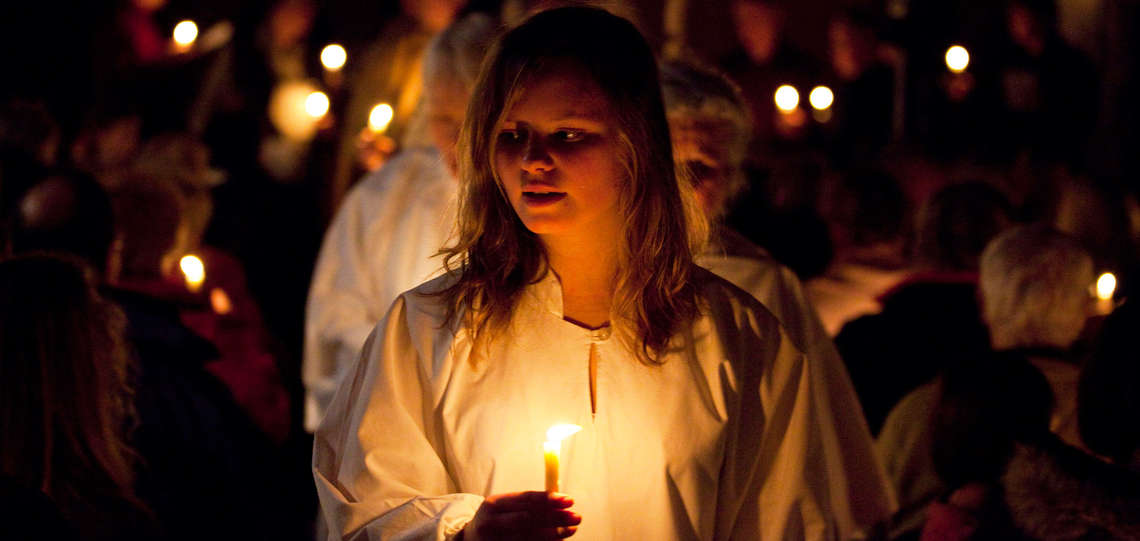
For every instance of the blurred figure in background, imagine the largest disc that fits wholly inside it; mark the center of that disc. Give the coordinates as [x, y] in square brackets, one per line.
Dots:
[220, 307]
[931, 319]
[869, 218]
[1049, 89]
[389, 72]
[198, 448]
[1034, 286]
[66, 405]
[708, 122]
[384, 238]
[863, 85]
[1055, 491]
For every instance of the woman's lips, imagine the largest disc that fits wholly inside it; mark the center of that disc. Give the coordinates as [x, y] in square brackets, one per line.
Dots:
[538, 199]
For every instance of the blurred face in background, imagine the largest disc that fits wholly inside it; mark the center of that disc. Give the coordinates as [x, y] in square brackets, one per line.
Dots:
[445, 104]
[701, 147]
[758, 27]
[433, 15]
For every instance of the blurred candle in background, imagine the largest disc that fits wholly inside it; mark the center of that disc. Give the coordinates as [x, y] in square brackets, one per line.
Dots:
[333, 57]
[194, 272]
[957, 58]
[821, 99]
[317, 104]
[1105, 288]
[380, 117]
[185, 33]
[787, 98]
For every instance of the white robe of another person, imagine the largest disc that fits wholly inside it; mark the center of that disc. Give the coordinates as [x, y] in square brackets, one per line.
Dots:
[736, 435]
[381, 243]
[868, 498]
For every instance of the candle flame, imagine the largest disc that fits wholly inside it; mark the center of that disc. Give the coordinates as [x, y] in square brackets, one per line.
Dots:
[787, 98]
[185, 33]
[1105, 286]
[821, 98]
[317, 104]
[333, 56]
[957, 58]
[193, 270]
[560, 432]
[380, 117]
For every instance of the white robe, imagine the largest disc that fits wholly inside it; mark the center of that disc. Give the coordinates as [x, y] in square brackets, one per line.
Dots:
[867, 498]
[380, 244]
[736, 436]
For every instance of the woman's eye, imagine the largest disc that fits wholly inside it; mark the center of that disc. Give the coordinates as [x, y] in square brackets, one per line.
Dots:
[569, 136]
[510, 136]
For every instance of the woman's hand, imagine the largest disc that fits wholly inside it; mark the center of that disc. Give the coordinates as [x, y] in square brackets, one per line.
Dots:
[523, 515]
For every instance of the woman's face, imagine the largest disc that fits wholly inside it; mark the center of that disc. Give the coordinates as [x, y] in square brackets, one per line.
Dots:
[557, 158]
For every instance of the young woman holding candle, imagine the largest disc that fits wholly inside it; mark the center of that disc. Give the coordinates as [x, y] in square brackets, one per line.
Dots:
[573, 297]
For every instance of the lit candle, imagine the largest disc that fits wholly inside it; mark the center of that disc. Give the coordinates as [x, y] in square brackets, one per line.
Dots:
[185, 33]
[317, 104]
[1105, 287]
[194, 272]
[333, 57]
[787, 98]
[957, 58]
[552, 449]
[380, 117]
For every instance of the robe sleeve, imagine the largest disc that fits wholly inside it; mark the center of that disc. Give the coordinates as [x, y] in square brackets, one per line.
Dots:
[342, 306]
[377, 457]
[776, 480]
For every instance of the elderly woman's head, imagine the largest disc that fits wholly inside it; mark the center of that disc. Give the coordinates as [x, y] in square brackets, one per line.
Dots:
[711, 128]
[450, 68]
[1035, 288]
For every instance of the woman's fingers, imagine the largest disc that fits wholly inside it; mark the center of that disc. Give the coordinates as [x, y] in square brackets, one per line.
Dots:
[521, 501]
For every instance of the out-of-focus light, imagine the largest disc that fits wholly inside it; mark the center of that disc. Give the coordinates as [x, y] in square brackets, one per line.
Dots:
[957, 58]
[333, 57]
[787, 98]
[821, 98]
[193, 270]
[317, 104]
[380, 117]
[1105, 286]
[185, 33]
[220, 302]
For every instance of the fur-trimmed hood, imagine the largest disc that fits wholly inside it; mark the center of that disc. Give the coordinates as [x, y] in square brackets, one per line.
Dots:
[1057, 492]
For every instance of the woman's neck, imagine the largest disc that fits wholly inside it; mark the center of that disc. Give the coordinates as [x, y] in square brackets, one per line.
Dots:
[587, 271]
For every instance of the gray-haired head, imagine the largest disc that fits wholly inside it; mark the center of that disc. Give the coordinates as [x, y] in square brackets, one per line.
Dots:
[711, 128]
[456, 53]
[1035, 287]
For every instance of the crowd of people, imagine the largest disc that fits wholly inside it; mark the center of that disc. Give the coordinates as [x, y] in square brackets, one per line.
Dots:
[786, 287]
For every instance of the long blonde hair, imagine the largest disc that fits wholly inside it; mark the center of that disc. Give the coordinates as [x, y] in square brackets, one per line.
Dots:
[495, 256]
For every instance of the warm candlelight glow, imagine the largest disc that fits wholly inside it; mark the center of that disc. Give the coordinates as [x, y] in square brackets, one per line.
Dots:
[333, 57]
[957, 58]
[185, 33]
[1105, 286]
[787, 98]
[317, 104]
[552, 450]
[220, 302]
[193, 270]
[380, 117]
[821, 98]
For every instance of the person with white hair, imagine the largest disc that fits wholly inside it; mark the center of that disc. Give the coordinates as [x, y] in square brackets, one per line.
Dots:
[1034, 287]
[384, 238]
[711, 129]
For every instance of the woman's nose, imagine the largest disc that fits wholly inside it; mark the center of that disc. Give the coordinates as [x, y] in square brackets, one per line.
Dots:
[535, 156]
